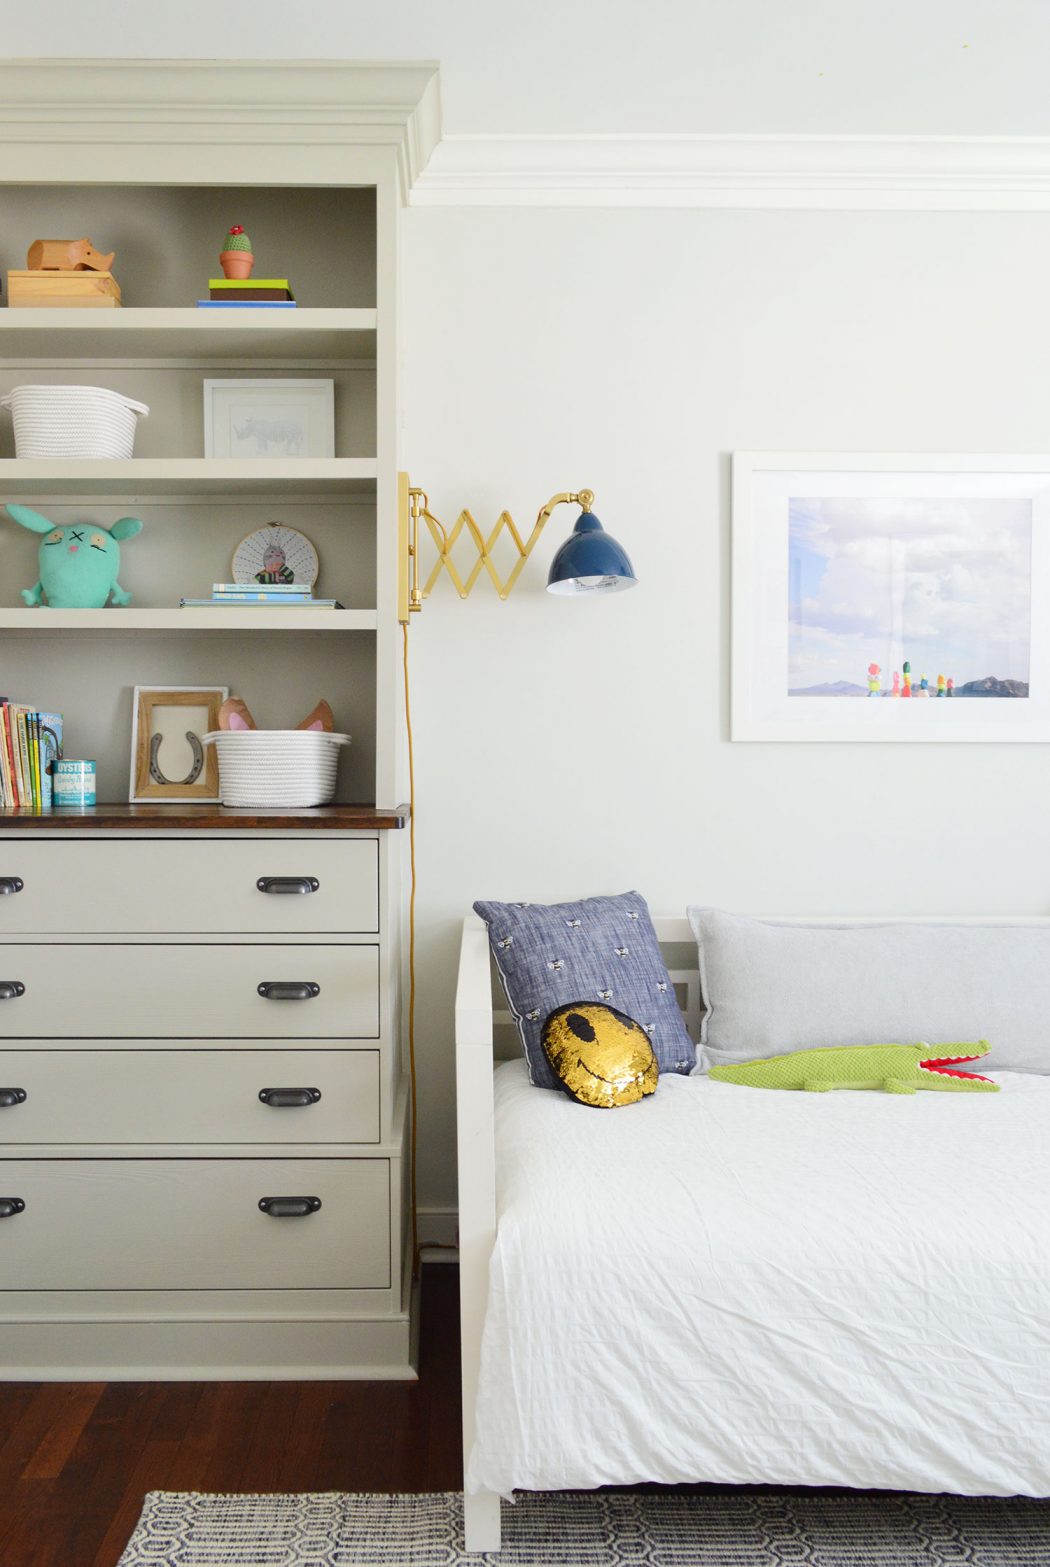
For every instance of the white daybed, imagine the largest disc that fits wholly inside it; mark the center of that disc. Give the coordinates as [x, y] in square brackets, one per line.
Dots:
[720, 1284]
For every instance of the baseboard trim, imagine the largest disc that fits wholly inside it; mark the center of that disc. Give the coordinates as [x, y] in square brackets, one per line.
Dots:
[877, 173]
[438, 1230]
[172, 1351]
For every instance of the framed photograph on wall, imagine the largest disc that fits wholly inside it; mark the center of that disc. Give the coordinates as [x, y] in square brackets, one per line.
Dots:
[269, 418]
[168, 759]
[890, 597]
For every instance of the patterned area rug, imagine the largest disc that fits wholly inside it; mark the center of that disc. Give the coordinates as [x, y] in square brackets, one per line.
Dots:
[735, 1528]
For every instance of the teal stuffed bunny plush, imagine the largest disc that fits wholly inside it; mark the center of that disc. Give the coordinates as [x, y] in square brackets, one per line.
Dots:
[79, 562]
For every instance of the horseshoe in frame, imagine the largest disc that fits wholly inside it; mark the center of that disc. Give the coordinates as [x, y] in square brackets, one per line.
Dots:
[156, 772]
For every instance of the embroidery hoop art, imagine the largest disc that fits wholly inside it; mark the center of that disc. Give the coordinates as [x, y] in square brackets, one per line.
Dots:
[299, 555]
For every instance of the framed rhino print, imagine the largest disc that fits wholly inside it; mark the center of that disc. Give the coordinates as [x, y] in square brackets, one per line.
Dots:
[890, 597]
[269, 418]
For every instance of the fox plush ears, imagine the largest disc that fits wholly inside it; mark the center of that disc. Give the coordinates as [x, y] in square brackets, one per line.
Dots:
[234, 714]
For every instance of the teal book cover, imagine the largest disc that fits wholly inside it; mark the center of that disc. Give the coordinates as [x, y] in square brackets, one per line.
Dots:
[50, 751]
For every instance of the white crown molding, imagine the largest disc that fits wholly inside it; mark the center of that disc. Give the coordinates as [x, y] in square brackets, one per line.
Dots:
[269, 102]
[977, 173]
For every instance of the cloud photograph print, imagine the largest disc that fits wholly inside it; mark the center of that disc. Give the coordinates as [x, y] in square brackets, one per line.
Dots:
[909, 599]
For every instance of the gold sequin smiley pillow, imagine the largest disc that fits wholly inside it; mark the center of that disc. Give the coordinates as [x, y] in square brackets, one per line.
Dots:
[599, 1056]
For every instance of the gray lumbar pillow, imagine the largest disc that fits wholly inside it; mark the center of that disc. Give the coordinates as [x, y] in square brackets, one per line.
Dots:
[771, 987]
[600, 949]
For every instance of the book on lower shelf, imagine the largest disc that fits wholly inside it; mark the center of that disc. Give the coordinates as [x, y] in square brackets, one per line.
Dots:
[246, 304]
[249, 291]
[261, 598]
[263, 585]
[30, 740]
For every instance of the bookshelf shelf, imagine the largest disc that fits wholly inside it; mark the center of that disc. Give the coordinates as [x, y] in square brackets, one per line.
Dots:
[147, 476]
[191, 334]
[46, 621]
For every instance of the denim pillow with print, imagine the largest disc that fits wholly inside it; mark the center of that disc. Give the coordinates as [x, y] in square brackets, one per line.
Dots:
[600, 949]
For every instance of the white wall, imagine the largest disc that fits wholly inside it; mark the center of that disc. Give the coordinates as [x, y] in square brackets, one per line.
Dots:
[568, 747]
[943, 67]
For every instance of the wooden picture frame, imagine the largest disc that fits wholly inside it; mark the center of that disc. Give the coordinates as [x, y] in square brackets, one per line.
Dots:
[199, 780]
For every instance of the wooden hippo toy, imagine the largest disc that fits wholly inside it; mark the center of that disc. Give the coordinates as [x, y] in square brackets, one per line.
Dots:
[79, 562]
[67, 255]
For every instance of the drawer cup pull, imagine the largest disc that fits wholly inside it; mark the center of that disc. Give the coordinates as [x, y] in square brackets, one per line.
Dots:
[287, 1207]
[10, 1206]
[10, 884]
[277, 884]
[286, 1098]
[13, 1096]
[289, 989]
[10, 988]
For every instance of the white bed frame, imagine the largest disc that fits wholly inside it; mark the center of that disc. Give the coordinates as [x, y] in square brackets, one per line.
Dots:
[476, 1017]
[477, 1013]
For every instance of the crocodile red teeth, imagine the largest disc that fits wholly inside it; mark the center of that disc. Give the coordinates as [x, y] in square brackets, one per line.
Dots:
[943, 1065]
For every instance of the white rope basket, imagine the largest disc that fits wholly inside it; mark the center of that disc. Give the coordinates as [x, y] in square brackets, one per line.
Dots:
[73, 421]
[276, 768]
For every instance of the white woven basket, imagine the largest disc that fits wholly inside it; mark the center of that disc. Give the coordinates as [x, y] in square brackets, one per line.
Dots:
[276, 768]
[73, 421]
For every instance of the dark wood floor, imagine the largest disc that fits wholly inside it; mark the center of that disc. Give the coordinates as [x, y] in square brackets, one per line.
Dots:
[76, 1459]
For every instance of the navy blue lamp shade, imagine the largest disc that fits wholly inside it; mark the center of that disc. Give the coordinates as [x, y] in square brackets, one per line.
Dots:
[590, 561]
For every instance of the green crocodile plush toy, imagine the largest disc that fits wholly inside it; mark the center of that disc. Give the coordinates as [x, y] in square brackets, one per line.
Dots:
[898, 1069]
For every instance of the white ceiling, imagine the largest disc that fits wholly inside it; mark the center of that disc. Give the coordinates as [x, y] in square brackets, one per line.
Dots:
[886, 67]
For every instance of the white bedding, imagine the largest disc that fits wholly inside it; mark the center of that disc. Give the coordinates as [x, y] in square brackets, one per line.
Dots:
[742, 1285]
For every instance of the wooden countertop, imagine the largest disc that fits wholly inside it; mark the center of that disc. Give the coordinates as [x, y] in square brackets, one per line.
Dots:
[204, 818]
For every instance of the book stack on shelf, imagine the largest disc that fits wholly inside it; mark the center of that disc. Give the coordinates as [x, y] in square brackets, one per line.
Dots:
[279, 595]
[261, 293]
[29, 742]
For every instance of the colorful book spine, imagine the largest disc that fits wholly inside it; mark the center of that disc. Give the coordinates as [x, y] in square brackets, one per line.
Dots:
[260, 587]
[25, 785]
[248, 285]
[33, 737]
[50, 751]
[257, 603]
[246, 304]
[260, 598]
[7, 791]
[11, 752]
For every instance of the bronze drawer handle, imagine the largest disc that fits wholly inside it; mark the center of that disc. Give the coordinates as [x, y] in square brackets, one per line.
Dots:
[289, 1207]
[10, 885]
[10, 1206]
[10, 988]
[300, 884]
[289, 989]
[286, 1098]
[11, 1096]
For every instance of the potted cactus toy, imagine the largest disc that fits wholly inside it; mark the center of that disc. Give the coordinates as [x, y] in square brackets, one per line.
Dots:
[236, 255]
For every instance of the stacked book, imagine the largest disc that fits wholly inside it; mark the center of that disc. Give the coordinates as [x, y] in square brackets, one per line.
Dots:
[29, 742]
[260, 293]
[252, 595]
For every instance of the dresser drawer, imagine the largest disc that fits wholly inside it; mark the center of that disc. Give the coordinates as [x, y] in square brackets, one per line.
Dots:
[189, 1096]
[153, 886]
[124, 1224]
[167, 991]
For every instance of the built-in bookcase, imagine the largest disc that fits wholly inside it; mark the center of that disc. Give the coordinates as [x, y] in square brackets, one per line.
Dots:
[199, 1128]
[159, 348]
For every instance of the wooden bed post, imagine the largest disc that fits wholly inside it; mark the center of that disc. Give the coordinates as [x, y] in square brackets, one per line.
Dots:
[477, 1198]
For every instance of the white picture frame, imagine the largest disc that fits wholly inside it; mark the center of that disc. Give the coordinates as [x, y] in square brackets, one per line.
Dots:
[833, 556]
[175, 712]
[276, 417]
